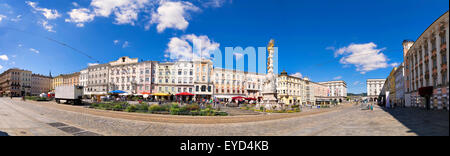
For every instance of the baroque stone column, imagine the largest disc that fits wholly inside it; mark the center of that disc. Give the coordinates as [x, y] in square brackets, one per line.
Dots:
[424, 83]
[439, 62]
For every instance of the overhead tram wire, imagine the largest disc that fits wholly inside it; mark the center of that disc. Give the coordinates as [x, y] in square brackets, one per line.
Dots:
[56, 41]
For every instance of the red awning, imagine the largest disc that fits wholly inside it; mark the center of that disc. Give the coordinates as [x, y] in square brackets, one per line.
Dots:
[146, 93]
[185, 94]
[251, 99]
[238, 97]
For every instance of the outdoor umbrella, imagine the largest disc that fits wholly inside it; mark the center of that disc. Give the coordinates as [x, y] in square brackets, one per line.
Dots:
[117, 92]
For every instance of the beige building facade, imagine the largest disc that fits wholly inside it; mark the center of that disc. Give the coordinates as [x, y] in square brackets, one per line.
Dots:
[426, 65]
[15, 82]
[40, 84]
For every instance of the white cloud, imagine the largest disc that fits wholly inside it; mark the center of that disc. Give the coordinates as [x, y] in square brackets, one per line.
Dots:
[1, 67]
[48, 13]
[17, 19]
[126, 11]
[47, 26]
[172, 15]
[4, 57]
[394, 64]
[337, 78]
[125, 44]
[2, 17]
[34, 50]
[214, 3]
[298, 74]
[364, 56]
[181, 49]
[92, 64]
[75, 4]
[80, 16]
[164, 13]
[116, 42]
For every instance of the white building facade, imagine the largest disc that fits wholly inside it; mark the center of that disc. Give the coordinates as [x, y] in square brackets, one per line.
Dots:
[374, 87]
[338, 89]
[400, 86]
[124, 75]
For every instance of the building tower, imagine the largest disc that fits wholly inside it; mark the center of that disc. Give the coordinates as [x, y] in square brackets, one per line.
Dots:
[407, 44]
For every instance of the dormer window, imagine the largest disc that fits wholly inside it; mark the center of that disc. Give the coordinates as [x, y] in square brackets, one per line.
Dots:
[123, 59]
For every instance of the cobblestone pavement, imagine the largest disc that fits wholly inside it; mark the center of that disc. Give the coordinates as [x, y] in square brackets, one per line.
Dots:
[18, 121]
[348, 120]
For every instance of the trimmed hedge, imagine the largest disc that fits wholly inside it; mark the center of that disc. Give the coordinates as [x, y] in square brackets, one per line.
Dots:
[173, 109]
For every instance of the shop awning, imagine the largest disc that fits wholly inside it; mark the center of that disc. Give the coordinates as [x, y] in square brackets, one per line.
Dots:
[185, 94]
[160, 94]
[238, 97]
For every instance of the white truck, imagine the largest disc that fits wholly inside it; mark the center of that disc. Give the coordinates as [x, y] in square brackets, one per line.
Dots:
[69, 94]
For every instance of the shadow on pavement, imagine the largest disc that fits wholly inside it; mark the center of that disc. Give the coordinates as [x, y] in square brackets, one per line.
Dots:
[3, 133]
[422, 122]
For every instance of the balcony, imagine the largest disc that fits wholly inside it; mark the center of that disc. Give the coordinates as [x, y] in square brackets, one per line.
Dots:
[426, 58]
[427, 75]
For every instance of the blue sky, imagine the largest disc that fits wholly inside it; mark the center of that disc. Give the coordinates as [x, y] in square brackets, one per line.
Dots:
[318, 39]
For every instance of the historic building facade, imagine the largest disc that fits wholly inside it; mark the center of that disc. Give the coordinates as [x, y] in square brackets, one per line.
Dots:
[40, 84]
[338, 89]
[320, 93]
[291, 89]
[97, 79]
[426, 65]
[66, 80]
[147, 79]
[399, 77]
[374, 87]
[254, 85]
[228, 84]
[203, 82]
[15, 82]
[166, 78]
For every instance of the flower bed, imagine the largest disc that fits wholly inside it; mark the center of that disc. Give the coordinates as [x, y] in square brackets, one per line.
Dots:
[173, 109]
[36, 98]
